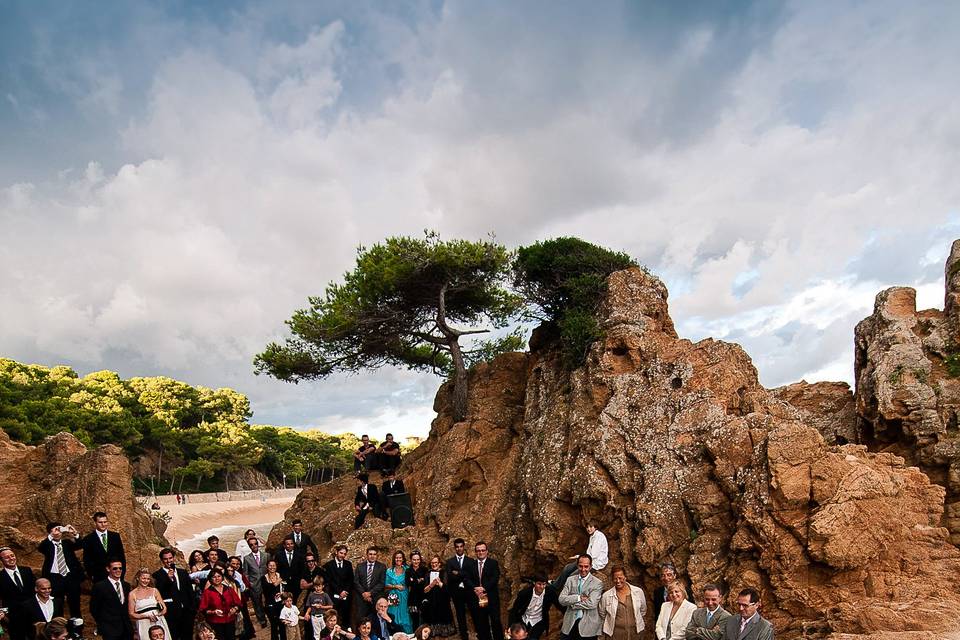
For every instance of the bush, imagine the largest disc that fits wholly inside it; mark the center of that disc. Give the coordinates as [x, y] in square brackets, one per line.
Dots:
[565, 280]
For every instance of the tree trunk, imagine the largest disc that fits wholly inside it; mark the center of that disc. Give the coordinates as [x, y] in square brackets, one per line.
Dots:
[226, 479]
[459, 382]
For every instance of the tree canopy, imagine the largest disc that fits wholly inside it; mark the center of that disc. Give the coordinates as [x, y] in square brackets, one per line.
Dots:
[200, 433]
[565, 280]
[407, 302]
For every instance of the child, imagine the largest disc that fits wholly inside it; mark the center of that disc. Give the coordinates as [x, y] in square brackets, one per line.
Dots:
[290, 617]
[317, 604]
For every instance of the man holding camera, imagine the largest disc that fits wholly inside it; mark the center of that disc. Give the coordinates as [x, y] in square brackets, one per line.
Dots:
[61, 566]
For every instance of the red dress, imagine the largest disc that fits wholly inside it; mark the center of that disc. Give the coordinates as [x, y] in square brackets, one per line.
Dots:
[211, 600]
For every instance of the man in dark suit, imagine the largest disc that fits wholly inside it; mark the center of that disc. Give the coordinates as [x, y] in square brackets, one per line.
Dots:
[17, 585]
[338, 575]
[456, 570]
[748, 624]
[302, 542]
[255, 567]
[391, 486]
[531, 607]
[42, 607]
[668, 573]
[108, 604]
[61, 566]
[290, 565]
[99, 546]
[369, 583]
[176, 589]
[367, 499]
[482, 580]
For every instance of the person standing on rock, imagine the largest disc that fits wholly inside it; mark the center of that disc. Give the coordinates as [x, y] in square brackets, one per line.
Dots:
[60, 565]
[708, 622]
[456, 567]
[17, 586]
[290, 566]
[748, 624]
[101, 545]
[302, 542]
[581, 596]
[369, 583]
[482, 580]
[338, 573]
[176, 589]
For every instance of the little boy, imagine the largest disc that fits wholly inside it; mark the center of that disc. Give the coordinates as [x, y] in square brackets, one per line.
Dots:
[290, 617]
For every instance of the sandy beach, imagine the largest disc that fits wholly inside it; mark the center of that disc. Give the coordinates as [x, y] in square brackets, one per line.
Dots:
[192, 520]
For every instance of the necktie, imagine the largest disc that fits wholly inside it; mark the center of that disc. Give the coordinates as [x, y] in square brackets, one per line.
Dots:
[298, 539]
[460, 561]
[480, 572]
[369, 573]
[16, 580]
[579, 591]
[119, 591]
[176, 579]
[709, 617]
[743, 625]
[339, 565]
[289, 558]
[61, 560]
[103, 540]
[256, 558]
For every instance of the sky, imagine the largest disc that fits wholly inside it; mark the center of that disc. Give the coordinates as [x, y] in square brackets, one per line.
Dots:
[176, 178]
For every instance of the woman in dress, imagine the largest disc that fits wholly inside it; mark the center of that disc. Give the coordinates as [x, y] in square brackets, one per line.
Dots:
[271, 585]
[396, 586]
[622, 608]
[416, 581]
[436, 610]
[675, 613]
[197, 562]
[220, 606]
[145, 606]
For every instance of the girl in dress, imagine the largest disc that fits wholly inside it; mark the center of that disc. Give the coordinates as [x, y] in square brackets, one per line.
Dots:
[145, 606]
[396, 585]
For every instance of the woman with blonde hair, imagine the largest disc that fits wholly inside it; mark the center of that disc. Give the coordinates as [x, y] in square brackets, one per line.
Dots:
[146, 606]
[672, 623]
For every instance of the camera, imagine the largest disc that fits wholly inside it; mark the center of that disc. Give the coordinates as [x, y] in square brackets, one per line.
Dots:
[75, 628]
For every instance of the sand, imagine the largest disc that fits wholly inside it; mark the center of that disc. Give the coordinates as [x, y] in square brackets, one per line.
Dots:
[191, 520]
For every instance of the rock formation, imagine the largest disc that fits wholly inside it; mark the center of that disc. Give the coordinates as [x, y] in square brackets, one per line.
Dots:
[60, 480]
[678, 453]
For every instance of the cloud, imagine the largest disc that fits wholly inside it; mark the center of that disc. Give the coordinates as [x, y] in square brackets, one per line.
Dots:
[775, 173]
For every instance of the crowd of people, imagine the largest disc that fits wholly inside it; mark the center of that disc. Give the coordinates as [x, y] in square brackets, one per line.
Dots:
[299, 595]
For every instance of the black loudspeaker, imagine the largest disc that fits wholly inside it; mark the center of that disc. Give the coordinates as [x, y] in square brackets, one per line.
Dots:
[401, 510]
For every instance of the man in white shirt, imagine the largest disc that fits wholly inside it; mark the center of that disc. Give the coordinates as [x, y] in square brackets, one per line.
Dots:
[16, 588]
[42, 607]
[596, 549]
[532, 607]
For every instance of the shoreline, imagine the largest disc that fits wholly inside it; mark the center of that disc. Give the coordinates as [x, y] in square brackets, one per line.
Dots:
[192, 519]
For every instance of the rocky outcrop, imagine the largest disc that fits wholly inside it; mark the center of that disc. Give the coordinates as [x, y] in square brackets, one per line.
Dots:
[678, 453]
[60, 480]
[907, 389]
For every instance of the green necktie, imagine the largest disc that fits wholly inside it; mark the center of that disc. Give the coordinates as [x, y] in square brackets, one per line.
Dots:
[103, 539]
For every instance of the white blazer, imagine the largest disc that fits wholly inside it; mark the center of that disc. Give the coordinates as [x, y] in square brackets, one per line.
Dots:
[609, 604]
[678, 627]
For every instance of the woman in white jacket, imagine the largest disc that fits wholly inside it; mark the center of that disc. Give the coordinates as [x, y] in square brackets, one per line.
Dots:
[672, 623]
[622, 609]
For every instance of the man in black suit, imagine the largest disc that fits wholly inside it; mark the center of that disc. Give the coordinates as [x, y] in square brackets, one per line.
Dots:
[668, 573]
[302, 542]
[391, 486]
[531, 607]
[176, 589]
[61, 566]
[456, 570]
[99, 546]
[108, 604]
[290, 565]
[338, 576]
[42, 607]
[369, 583]
[367, 499]
[482, 579]
[17, 585]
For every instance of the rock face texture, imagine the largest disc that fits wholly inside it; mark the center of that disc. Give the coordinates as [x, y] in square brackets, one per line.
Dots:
[60, 480]
[676, 452]
[907, 389]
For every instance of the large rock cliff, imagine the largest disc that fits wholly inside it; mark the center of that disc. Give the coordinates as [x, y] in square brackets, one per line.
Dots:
[60, 480]
[678, 453]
